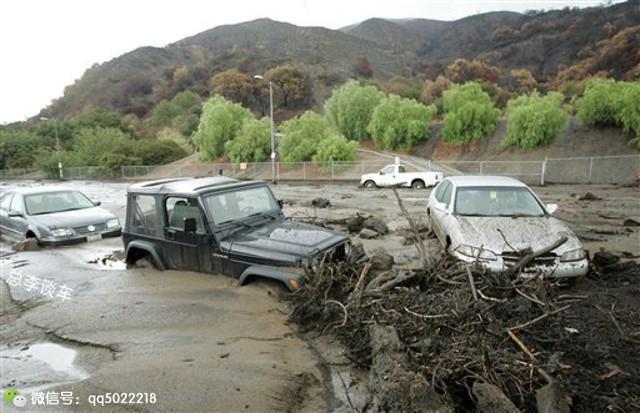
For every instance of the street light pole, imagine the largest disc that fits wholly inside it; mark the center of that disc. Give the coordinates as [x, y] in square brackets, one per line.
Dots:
[273, 141]
[55, 128]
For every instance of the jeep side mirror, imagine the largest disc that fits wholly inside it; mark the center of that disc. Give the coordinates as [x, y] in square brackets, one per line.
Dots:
[190, 225]
[280, 203]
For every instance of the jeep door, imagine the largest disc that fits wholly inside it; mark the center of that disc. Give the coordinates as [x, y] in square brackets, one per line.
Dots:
[184, 247]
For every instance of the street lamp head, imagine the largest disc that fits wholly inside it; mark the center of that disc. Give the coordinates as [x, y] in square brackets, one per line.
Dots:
[258, 77]
[44, 118]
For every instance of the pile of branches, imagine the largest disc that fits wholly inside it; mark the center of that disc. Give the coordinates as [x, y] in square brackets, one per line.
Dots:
[461, 325]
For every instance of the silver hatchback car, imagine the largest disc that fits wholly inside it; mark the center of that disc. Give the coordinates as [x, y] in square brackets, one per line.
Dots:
[492, 218]
[54, 216]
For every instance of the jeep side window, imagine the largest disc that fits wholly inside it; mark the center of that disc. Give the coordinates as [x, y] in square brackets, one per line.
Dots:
[178, 209]
[144, 220]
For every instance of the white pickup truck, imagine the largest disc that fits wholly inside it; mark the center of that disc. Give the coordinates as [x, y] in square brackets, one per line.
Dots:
[397, 175]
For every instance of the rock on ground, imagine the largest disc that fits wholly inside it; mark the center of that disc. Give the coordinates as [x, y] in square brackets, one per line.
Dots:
[30, 244]
[381, 260]
[397, 388]
[320, 203]
[551, 399]
[490, 399]
[376, 224]
[367, 233]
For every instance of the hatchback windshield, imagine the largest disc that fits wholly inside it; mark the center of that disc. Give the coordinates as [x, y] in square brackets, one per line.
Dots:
[496, 201]
[59, 201]
[239, 204]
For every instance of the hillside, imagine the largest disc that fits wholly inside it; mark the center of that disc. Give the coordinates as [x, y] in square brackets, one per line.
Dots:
[574, 141]
[575, 42]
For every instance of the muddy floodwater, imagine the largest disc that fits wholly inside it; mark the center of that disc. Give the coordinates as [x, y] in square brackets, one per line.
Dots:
[199, 342]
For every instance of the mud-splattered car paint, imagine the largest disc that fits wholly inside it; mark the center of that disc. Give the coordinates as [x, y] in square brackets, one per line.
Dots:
[496, 235]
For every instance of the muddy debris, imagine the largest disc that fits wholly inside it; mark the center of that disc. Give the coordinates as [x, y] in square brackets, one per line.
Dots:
[366, 233]
[552, 399]
[29, 244]
[375, 224]
[589, 197]
[461, 328]
[490, 399]
[631, 222]
[320, 203]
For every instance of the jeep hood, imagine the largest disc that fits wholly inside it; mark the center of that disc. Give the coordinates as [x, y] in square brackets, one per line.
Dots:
[281, 241]
[521, 232]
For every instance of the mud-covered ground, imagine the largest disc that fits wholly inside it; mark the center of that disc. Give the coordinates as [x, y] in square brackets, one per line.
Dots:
[198, 341]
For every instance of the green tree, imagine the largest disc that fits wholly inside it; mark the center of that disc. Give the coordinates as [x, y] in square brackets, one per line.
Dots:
[172, 135]
[301, 137]
[534, 120]
[164, 113]
[19, 147]
[350, 107]
[98, 117]
[469, 114]
[600, 102]
[334, 148]
[399, 123]
[91, 144]
[220, 122]
[253, 142]
[629, 111]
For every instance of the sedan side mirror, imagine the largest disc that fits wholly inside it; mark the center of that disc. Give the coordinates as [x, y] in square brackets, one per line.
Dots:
[280, 203]
[15, 214]
[551, 208]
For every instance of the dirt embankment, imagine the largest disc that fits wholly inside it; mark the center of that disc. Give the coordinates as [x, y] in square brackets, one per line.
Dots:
[574, 140]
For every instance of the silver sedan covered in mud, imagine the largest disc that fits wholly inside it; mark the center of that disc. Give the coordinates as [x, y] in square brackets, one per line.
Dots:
[494, 219]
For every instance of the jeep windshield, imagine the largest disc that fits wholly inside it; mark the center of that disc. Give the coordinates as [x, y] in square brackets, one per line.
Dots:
[239, 204]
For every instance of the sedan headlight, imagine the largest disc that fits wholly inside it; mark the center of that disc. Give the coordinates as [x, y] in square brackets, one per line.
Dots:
[573, 255]
[62, 232]
[475, 252]
[112, 223]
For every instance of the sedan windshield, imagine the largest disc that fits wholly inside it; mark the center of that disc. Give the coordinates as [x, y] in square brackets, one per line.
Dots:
[497, 201]
[239, 204]
[52, 202]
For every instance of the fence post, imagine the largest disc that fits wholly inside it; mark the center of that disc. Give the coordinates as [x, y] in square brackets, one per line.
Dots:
[429, 165]
[332, 169]
[122, 171]
[277, 171]
[481, 167]
[590, 168]
[304, 171]
[544, 171]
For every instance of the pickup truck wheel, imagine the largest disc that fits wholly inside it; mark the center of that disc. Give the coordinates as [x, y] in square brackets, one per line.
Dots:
[417, 184]
[369, 184]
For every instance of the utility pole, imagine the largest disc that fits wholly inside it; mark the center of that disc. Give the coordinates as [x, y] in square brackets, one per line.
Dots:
[55, 128]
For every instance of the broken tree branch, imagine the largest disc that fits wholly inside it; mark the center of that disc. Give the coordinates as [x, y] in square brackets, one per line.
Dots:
[422, 250]
[542, 317]
[472, 284]
[526, 260]
[520, 344]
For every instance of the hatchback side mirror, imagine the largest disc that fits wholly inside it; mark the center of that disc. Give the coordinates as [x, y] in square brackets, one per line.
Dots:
[190, 225]
[551, 208]
[15, 214]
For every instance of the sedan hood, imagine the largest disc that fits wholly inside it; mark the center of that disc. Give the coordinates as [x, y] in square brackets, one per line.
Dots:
[73, 219]
[521, 233]
[283, 241]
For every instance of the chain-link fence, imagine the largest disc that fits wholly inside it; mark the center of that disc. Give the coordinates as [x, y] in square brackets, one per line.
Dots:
[580, 170]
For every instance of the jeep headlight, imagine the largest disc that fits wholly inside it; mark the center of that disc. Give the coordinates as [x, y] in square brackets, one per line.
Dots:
[62, 232]
[573, 255]
[475, 252]
[112, 223]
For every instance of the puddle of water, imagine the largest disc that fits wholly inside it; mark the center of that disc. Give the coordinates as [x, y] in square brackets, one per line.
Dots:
[39, 367]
